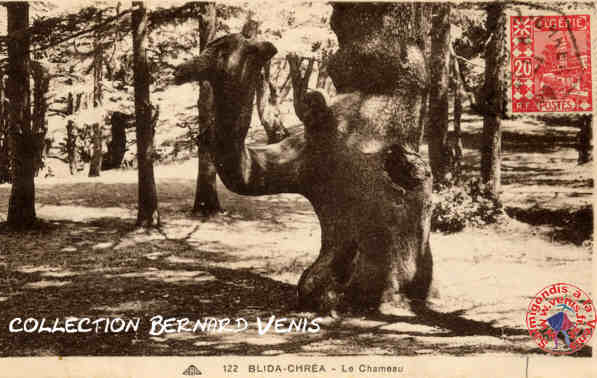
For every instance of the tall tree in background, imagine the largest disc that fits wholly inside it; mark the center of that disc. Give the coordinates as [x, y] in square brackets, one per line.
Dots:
[455, 145]
[148, 200]
[494, 99]
[21, 207]
[438, 100]
[206, 196]
[71, 136]
[39, 122]
[119, 122]
[95, 163]
[422, 17]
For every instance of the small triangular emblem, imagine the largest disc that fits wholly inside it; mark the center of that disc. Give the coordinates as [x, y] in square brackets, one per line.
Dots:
[191, 370]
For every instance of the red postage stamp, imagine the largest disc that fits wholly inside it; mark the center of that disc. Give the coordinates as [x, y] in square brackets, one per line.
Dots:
[551, 64]
[561, 318]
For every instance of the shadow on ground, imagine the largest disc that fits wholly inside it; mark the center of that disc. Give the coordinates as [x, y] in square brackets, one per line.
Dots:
[88, 260]
[575, 226]
[106, 268]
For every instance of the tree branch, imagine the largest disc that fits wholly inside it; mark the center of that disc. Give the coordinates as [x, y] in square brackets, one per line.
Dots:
[465, 60]
[300, 82]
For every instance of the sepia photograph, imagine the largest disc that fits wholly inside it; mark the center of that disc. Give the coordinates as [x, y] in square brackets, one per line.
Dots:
[296, 188]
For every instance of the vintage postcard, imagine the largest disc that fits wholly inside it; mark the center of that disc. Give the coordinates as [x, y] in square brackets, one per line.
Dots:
[303, 189]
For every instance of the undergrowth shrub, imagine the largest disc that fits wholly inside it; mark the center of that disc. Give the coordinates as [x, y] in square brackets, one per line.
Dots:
[469, 204]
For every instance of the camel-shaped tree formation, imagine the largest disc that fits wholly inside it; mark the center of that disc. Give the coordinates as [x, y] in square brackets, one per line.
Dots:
[370, 193]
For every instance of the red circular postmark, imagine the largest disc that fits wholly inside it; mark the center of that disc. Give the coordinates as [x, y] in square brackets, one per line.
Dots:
[561, 318]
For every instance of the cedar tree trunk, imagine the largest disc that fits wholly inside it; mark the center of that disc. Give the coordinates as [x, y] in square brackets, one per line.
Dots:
[95, 163]
[456, 145]
[148, 199]
[71, 136]
[96, 150]
[423, 16]
[494, 97]
[438, 94]
[117, 146]
[41, 85]
[5, 175]
[206, 194]
[21, 207]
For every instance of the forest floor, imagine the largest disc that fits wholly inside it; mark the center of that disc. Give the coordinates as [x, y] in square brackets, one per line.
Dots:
[89, 261]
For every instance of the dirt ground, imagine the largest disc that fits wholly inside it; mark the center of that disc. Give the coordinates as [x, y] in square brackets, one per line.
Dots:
[89, 261]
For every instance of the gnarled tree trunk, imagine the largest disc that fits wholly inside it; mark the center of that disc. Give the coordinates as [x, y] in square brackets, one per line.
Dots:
[381, 72]
[356, 162]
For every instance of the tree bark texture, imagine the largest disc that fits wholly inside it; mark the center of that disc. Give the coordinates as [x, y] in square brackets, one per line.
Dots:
[71, 147]
[117, 146]
[494, 99]
[21, 207]
[207, 202]
[41, 86]
[148, 200]
[95, 162]
[5, 175]
[423, 15]
[585, 140]
[439, 155]
[71, 137]
[356, 161]
[456, 146]
[380, 63]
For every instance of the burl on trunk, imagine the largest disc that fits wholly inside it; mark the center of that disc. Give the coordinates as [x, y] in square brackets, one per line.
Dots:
[356, 161]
